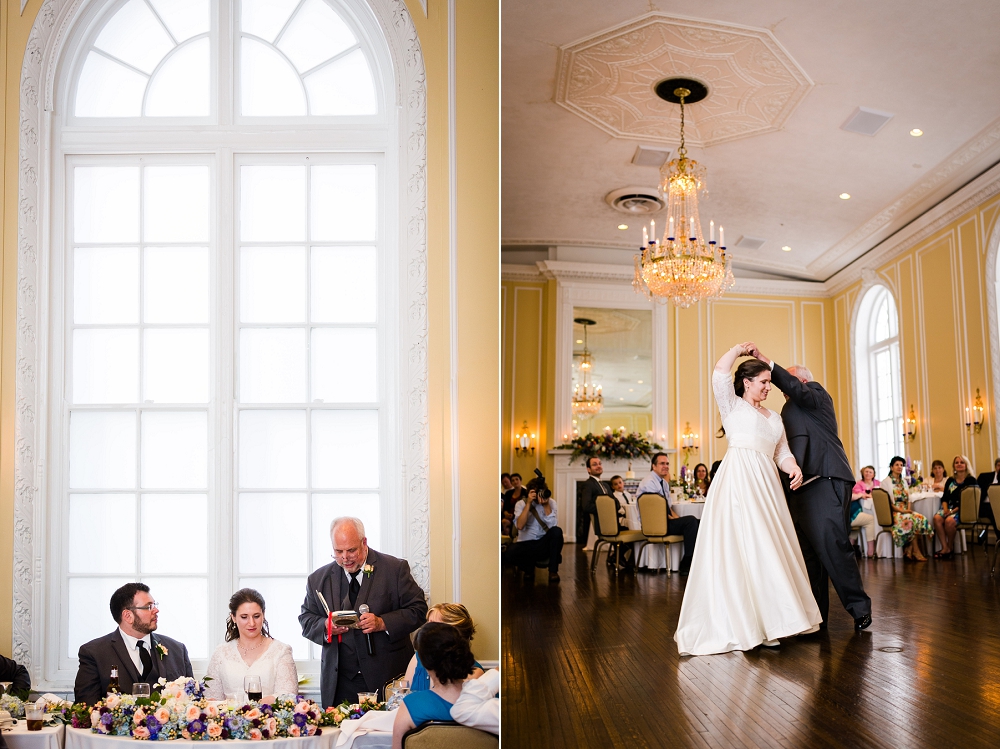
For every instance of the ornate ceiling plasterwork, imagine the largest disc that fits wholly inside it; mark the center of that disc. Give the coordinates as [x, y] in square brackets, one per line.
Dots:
[608, 80]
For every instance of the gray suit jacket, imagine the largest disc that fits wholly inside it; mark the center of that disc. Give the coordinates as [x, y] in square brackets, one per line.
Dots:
[98, 656]
[391, 593]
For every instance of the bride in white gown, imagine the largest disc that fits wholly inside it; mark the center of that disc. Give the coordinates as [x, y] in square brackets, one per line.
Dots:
[748, 584]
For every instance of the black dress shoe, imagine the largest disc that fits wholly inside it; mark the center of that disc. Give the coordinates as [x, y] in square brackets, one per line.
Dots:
[862, 622]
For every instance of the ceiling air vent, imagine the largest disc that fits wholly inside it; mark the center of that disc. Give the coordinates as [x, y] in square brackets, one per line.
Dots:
[646, 156]
[636, 201]
[750, 243]
[866, 121]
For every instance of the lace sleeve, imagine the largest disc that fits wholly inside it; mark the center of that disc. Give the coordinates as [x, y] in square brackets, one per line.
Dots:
[781, 450]
[214, 690]
[286, 676]
[725, 396]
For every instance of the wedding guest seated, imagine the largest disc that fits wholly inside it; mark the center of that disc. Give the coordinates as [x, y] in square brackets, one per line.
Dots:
[938, 476]
[658, 482]
[946, 519]
[619, 493]
[538, 536]
[17, 675]
[701, 479]
[986, 480]
[511, 497]
[457, 616]
[861, 520]
[138, 654]
[506, 519]
[479, 704]
[448, 659]
[907, 526]
[250, 650]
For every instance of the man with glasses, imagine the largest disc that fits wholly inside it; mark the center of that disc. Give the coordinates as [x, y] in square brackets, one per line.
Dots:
[138, 655]
[658, 482]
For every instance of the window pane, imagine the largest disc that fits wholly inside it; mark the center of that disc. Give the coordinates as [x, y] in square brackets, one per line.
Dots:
[283, 601]
[108, 89]
[343, 87]
[175, 366]
[184, 18]
[326, 507]
[102, 450]
[345, 449]
[273, 530]
[343, 284]
[134, 36]
[105, 285]
[176, 285]
[272, 365]
[106, 204]
[272, 449]
[269, 85]
[181, 87]
[174, 533]
[175, 204]
[89, 614]
[95, 518]
[344, 202]
[272, 203]
[315, 34]
[105, 366]
[265, 18]
[343, 365]
[273, 284]
[175, 450]
[183, 603]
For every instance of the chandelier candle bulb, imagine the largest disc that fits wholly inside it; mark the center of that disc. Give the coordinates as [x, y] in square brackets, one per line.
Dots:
[652, 228]
[711, 232]
[691, 233]
[722, 237]
[645, 237]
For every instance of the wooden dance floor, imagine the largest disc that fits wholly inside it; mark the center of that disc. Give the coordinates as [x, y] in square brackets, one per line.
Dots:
[591, 662]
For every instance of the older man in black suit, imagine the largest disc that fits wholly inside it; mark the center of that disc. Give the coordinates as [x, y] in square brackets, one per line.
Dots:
[985, 481]
[361, 660]
[820, 508]
[138, 654]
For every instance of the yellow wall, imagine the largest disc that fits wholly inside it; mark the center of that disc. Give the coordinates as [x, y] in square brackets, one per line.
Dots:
[477, 139]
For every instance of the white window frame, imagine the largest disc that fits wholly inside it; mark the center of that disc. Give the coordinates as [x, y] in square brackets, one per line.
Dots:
[63, 30]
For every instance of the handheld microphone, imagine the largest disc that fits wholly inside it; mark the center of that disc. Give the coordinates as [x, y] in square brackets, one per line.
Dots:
[363, 609]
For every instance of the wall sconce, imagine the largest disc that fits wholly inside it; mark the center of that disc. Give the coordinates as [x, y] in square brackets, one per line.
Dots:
[524, 442]
[910, 427]
[689, 441]
[975, 416]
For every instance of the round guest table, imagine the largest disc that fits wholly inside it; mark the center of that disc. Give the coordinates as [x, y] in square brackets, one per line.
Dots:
[19, 737]
[83, 738]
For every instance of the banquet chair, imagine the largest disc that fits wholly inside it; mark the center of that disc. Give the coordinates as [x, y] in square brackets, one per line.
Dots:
[993, 494]
[883, 514]
[607, 519]
[653, 519]
[968, 513]
[436, 734]
[381, 689]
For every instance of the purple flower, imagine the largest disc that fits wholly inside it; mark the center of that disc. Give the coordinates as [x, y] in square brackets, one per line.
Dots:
[196, 727]
[299, 719]
[107, 719]
[319, 732]
[265, 733]
[152, 723]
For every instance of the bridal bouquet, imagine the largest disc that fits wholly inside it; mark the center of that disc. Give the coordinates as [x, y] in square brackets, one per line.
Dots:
[615, 445]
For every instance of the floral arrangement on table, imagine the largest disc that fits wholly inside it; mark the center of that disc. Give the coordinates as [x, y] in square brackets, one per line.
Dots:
[334, 716]
[179, 710]
[618, 445]
[56, 710]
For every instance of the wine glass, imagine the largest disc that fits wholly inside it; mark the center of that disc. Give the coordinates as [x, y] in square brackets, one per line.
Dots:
[4, 686]
[140, 689]
[251, 685]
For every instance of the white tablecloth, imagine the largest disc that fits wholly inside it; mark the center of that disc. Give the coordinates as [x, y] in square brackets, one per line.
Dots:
[83, 738]
[653, 556]
[927, 504]
[20, 737]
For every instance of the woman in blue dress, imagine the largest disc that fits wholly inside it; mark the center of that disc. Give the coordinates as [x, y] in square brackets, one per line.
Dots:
[456, 615]
[446, 655]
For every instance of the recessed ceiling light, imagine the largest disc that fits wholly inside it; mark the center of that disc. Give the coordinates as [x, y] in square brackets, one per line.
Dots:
[621, 399]
[786, 248]
[579, 340]
[845, 196]
[631, 390]
[623, 227]
[916, 132]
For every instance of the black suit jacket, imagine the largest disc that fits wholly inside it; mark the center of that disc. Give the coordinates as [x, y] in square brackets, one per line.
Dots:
[985, 480]
[391, 593]
[592, 490]
[17, 675]
[811, 427]
[98, 656]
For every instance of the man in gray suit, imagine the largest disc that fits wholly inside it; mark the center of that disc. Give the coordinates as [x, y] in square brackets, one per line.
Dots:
[361, 660]
[820, 508]
[138, 654]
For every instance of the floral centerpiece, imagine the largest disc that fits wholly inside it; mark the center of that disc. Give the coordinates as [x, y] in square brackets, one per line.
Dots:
[618, 445]
[334, 716]
[56, 710]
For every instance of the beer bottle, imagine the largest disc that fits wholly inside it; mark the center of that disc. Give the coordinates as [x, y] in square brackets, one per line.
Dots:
[113, 681]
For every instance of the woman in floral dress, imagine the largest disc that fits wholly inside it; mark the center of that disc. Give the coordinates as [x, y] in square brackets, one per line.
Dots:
[907, 526]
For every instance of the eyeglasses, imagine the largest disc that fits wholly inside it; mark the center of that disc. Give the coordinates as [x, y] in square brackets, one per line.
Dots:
[148, 607]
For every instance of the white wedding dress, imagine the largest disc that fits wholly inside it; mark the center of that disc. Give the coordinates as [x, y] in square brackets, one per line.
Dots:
[748, 582]
[276, 669]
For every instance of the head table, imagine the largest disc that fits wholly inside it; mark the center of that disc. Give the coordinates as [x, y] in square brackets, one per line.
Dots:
[62, 737]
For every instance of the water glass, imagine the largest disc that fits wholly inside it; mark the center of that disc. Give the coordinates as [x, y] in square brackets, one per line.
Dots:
[364, 697]
[35, 716]
[140, 689]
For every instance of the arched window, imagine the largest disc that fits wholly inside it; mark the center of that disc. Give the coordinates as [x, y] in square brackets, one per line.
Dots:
[224, 249]
[879, 392]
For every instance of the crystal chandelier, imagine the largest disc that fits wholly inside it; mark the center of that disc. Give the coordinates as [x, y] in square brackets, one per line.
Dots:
[587, 399]
[682, 267]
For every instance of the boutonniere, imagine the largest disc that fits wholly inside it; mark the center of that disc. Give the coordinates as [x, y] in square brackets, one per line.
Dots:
[368, 570]
[160, 650]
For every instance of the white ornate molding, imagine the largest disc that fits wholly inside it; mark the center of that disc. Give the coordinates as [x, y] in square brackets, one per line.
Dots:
[41, 58]
[993, 323]
[754, 83]
[511, 272]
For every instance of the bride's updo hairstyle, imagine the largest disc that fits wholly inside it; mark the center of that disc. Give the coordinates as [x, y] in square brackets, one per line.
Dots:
[244, 595]
[748, 369]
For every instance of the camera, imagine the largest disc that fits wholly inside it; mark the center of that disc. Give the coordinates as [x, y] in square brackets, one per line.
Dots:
[540, 486]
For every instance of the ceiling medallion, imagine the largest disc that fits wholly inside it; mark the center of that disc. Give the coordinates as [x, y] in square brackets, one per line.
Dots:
[682, 267]
[587, 400]
[610, 79]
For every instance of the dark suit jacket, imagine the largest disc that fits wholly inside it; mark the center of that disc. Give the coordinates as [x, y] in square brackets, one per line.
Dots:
[391, 593]
[17, 675]
[811, 427]
[591, 490]
[985, 480]
[98, 656]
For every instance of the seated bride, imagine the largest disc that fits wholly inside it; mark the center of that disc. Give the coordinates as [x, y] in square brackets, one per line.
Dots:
[250, 650]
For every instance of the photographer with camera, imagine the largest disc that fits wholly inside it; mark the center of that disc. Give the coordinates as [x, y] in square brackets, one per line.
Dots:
[538, 536]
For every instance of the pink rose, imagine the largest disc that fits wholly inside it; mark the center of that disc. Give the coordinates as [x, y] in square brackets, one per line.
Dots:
[141, 732]
[252, 714]
[255, 734]
[311, 730]
[214, 729]
[293, 730]
[139, 716]
[302, 707]
[162, 715]
[212, 710]
[95, 718]
[113, 700]
[271, 725]
[193, 712]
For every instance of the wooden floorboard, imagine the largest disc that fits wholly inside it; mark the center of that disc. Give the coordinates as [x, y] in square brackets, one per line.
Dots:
[591, 662]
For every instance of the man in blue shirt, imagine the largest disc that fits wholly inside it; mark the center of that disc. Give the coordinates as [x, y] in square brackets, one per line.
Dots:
[538, 536]
[658, 482]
